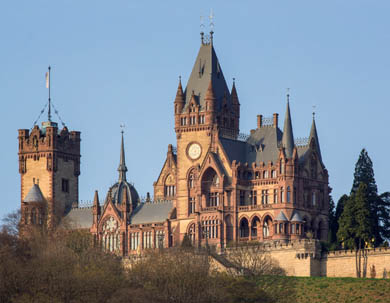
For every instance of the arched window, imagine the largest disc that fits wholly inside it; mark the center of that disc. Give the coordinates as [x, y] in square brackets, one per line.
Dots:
[275, 195]
[273, 173]
[288, 194]
[281, 195]
[281, 166]
[265, 229]
[281, 225]
[191, 233]
[111, 235]
[191, 180]
[255, 226]
[244, 228]
[169, 186]
[210, 187]
[265, 174]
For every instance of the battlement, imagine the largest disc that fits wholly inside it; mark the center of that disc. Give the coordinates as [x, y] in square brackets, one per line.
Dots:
[49, 138]
[351, 253]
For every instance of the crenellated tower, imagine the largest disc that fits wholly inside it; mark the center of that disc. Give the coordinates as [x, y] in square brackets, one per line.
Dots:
[49, 166]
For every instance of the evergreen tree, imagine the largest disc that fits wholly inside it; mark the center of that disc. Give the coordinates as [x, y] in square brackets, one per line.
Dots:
[379, 205]
[333, 226]
[356, 226]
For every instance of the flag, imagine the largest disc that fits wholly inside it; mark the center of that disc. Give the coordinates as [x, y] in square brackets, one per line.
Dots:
[47, 79]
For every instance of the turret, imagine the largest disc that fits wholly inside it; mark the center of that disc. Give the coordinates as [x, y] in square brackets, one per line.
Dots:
[210, 102]
[314, 136]
[96, 208]
[288, 137]
[179, 99]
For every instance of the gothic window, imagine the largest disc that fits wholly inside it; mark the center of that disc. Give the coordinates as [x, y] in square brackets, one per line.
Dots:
[297, 229]
[282, 167]
[201, 119]
[244, 228]
[111, 235]
[273, 173]
[169, 187]
[183, 121]
[266, 233]
[191, 180]
[253, 197]
[265, 174]
[257, 175]
[191, 205]
[255, 225]
[276, 195]
[288, 194]
[292, 228]
[191, 233]
[210, 187]
[281, 195]
[192, 120]
[148, 239]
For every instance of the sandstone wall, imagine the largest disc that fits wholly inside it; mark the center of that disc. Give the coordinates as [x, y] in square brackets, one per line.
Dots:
[342, 263]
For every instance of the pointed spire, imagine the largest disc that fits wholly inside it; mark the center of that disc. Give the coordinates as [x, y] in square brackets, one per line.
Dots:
[288, 137]
[96, 204]
[313, 135]
[234, 93]
[210, 91]
[122, 169]
[179, 94]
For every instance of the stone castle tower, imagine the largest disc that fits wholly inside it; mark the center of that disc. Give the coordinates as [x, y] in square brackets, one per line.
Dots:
[49, 166]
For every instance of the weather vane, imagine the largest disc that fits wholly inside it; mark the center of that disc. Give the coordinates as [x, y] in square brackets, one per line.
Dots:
[211, 18]
[122, 127]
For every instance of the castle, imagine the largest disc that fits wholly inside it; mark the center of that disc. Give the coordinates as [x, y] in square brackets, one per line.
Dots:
[216, 186]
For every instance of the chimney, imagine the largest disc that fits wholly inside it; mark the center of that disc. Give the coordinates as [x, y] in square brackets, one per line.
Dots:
[275, 124]
[259, 121]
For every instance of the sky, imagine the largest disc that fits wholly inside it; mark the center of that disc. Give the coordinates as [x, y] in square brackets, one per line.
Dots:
[119, 62]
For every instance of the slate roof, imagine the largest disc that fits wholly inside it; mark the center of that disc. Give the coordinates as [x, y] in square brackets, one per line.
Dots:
[206, 66]
[151, 212]
[34, 195]
[79, 217]
[261, 146]
[296, 217]
[281, 217]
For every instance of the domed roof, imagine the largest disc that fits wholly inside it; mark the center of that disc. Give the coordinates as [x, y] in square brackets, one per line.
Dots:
[117, 193]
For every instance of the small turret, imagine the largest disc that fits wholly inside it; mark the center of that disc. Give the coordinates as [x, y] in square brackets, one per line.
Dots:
[288, 137]
[313, 135]
[179, 99]
[210, 98]
[96, 208]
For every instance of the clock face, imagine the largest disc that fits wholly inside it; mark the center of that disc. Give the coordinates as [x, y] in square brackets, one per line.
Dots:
[194, 151]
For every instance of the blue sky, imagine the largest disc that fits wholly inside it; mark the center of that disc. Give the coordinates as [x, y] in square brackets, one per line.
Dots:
[118, 62]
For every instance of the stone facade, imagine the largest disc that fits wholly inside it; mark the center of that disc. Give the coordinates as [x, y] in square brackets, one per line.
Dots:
[49, 159]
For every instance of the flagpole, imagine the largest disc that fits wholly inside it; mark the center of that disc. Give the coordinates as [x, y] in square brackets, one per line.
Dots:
[49, 111]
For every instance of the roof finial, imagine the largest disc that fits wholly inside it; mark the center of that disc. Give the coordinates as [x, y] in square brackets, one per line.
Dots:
[314, 111]
[48, 86]
[211, 18]
[288, 95]
[202, 29]
[122, 169]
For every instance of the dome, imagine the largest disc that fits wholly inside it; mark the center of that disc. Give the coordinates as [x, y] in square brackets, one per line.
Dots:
[117, 193]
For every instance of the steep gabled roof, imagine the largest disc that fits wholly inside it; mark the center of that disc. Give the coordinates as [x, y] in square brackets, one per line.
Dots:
[206, 67]
[281, 217]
